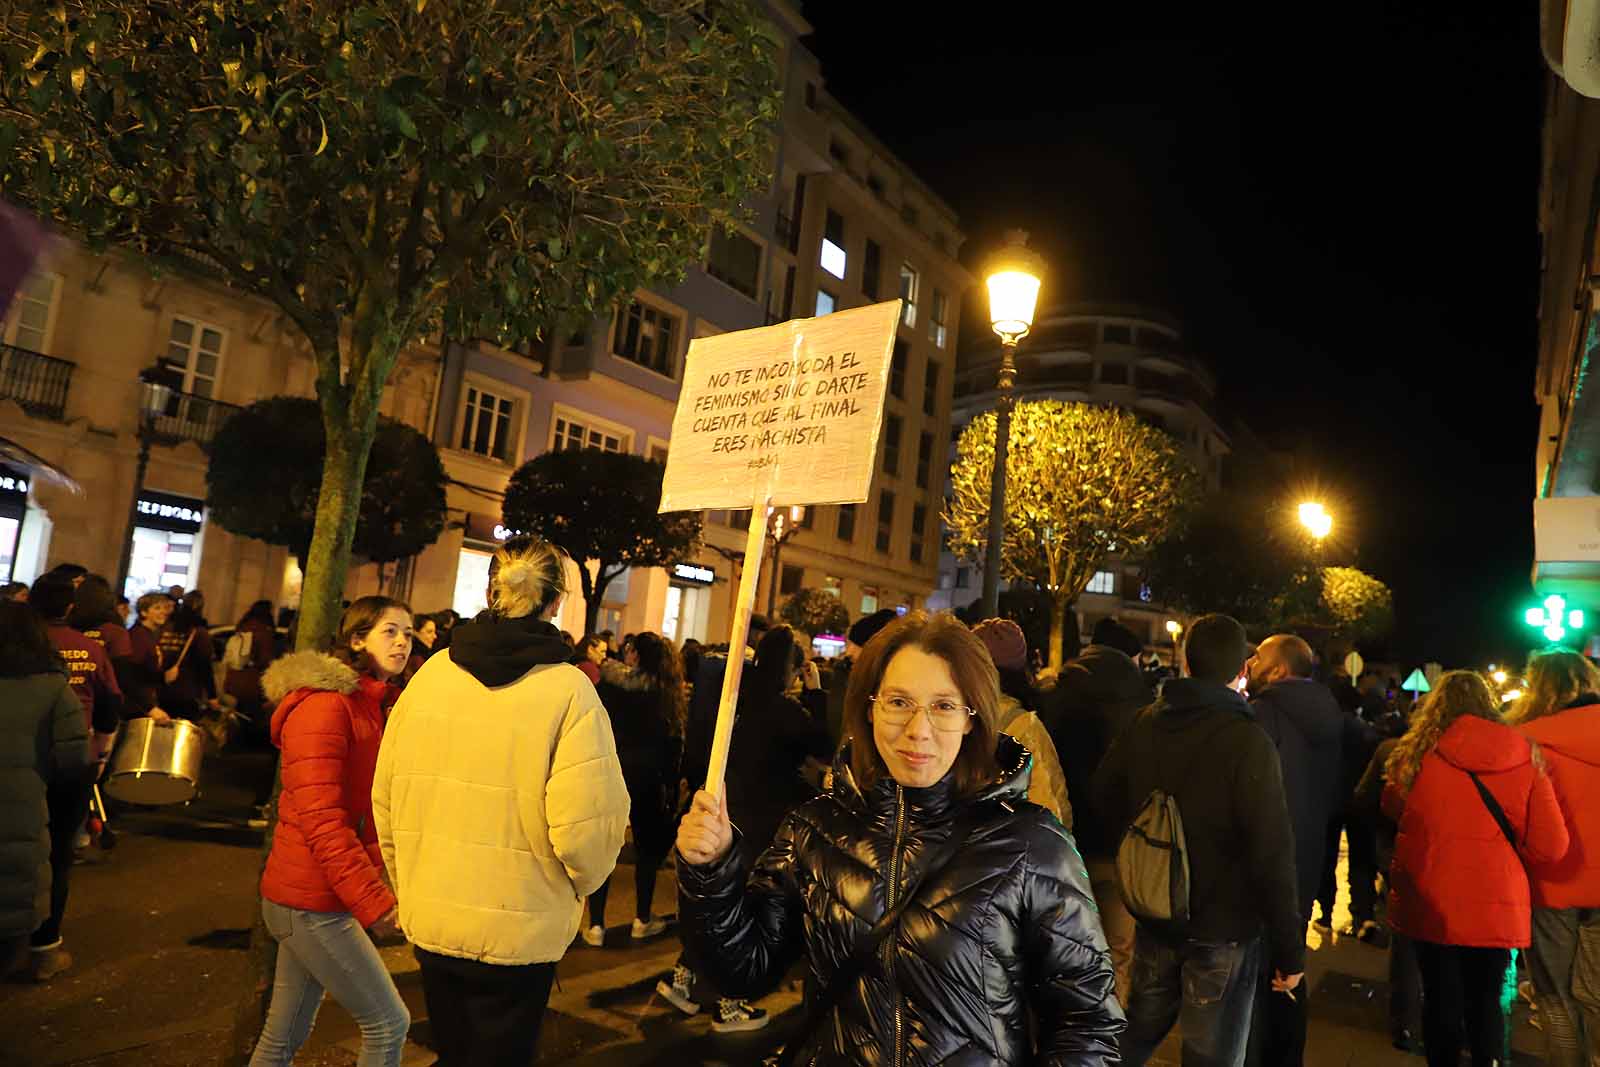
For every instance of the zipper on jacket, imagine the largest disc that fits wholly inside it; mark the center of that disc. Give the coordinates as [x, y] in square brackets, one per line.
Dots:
[894, 889]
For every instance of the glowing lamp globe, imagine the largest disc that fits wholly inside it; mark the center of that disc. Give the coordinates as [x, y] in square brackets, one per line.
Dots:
[1013, 283]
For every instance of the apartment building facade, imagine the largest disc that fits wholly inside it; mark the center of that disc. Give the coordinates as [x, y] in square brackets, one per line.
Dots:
[1118, 355]
[844, 224]
[82, 344]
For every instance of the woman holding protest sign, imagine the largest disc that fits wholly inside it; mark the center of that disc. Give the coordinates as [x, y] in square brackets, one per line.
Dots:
[928, 814]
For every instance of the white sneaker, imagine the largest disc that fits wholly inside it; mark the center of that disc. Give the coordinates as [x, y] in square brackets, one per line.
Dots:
[680, 991]
[734, 1014]
[653, 928]
[594, 936]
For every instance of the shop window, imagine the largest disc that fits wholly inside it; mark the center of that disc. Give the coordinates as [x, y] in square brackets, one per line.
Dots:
[486, 424]
[871, 269]
[924, 459]
[194, 350]
[847, 522]
[734, 259]
[891, 444]
[647, 336]
[908, 293]
[832, 257]
[33, 313]
[792, 578]
[885, 520]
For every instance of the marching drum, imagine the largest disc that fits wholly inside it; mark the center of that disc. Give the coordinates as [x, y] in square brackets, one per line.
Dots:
[156, 762]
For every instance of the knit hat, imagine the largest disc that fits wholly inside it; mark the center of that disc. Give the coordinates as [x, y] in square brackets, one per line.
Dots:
[867, 627]
[1003, 638]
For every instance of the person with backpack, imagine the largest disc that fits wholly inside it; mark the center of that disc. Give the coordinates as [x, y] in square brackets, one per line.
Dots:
[1207, 862]
[945, 918]
[1560, 712]
[247, 653]
[1473, 802]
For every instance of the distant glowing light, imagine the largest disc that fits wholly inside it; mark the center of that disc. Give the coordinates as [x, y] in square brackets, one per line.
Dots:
[1315, 518]
[1499, 677]
[1511, 694]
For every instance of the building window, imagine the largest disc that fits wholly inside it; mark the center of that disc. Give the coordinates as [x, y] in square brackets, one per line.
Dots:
[891, 444]
[875, 185]
[847, 522]
[808, 518]
[1114, 373]
[909, 214]
[572, 433]
[735, 259]
[195, 350]
[930, 389]
[871, 269]
[885, 519]
[838, 151]
[897, 370]
[1078, 334]
[646, 335]
[1103, 582]
[1117, 335]
[924, 459]
[919, 530]
[792, 577]
[936, 326]
[739, 519]
[33, 312]
[833, 585]
[908, 293]
[486, 424]
[826, 303]
[963, 577]
[657, 452]
[833, 256]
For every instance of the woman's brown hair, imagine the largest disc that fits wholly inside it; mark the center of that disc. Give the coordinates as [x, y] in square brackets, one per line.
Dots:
[357, 621]
[948, 638]
[1457, 693]
[1555, 679]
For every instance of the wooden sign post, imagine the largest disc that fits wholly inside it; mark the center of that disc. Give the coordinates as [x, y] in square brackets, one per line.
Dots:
[772, 417]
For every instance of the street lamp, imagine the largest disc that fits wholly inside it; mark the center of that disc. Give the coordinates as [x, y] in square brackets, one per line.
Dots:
[782, 524]
[1174, 628]
[1013, 293]
[1315, 518]
[155, 393]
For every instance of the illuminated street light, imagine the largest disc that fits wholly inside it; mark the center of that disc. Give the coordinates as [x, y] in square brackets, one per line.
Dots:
[1174, 628]
[1499, 677]
[1013, 283]
[1315, 518]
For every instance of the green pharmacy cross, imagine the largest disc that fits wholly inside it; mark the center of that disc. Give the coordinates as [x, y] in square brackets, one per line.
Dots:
[1552, 615]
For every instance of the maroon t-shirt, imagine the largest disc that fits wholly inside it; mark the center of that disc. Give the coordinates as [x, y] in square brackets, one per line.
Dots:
[93, 681]
[143, 651]
[113, 638]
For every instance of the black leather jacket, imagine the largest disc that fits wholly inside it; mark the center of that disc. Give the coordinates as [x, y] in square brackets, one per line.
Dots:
[1008, 926]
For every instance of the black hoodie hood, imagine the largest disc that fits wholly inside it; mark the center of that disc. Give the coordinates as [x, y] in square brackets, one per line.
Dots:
[498, 651]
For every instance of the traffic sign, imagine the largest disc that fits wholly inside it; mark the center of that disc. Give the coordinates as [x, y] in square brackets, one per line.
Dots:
[1417, 682]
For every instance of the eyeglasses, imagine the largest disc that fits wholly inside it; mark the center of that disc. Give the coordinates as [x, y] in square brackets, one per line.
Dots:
[945, 715]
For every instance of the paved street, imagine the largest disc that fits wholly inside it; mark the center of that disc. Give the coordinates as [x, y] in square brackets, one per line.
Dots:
[158, 929]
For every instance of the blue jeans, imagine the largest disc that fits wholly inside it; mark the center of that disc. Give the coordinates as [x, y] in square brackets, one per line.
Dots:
[328, 950]
[1207, 987]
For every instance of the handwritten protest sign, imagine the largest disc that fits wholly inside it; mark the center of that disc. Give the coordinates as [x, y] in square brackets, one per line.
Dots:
[777, 416]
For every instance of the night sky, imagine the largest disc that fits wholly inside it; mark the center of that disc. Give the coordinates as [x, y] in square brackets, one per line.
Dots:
[1345, 220]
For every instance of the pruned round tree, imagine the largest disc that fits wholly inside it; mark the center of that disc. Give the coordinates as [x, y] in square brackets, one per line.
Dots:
[266, 472]
[601, 507]
[815, 611]
[391, 171]
[1082, 482]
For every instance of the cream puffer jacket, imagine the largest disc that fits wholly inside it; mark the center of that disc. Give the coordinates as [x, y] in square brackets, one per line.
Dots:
[498, 810]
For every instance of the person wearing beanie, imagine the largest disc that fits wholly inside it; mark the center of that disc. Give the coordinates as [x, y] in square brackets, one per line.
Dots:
[864, 630]
[1009, 649]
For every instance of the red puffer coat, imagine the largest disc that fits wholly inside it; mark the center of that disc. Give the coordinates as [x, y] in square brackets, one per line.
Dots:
[1570, 741]
[329, 722]
[1455, 879]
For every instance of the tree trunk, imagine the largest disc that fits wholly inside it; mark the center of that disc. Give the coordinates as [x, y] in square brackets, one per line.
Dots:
[593, 595]
[1058, 630]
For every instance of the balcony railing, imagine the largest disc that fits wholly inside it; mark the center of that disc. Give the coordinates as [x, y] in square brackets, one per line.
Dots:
[172, 416]
[37, 382]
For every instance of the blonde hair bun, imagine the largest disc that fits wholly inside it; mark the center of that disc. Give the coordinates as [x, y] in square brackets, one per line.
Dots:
[526, 577]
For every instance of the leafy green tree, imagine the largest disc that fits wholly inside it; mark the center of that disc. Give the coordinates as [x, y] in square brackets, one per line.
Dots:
[815, 611]
[391, 171]
[1359, 606]
[601, 508]
[1082, 481]
[266, 471]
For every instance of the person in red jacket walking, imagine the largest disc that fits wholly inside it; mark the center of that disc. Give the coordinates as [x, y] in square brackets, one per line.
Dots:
[324, 885]
[1560, 712]
[1473, 801]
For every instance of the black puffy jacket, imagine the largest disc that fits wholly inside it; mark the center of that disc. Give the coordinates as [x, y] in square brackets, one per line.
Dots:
[1008, 926]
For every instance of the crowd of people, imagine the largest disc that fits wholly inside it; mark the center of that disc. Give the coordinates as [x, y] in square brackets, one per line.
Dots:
[961, 853]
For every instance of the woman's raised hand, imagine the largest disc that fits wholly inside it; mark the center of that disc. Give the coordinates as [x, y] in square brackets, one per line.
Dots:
[705, 835]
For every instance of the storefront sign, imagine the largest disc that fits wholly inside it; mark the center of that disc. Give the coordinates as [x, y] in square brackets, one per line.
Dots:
[13, 483]
[690, 572]
[177, 514]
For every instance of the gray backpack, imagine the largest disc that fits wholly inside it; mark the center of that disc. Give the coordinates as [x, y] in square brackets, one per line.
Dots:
[1153, 857]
